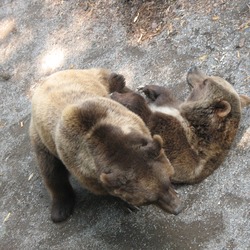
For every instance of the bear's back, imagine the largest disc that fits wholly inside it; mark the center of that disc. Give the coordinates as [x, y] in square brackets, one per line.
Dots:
[68, 86]
[60, 90]
[76, 87]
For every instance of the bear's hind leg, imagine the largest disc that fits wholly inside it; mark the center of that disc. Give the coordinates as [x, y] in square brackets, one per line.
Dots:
[56, 178]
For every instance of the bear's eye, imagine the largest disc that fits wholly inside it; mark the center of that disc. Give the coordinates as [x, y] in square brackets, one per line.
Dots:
[107, 170]
[122, 180]
[205, 82]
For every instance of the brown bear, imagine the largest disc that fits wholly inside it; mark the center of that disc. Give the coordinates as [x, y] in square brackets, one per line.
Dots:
[197, 133]
[77, 129]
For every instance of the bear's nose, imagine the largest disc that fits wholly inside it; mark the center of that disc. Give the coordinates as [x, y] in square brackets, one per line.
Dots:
[193, 70]
[178, 209]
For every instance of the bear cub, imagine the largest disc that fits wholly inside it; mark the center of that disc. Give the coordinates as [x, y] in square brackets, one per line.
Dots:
[197, 133]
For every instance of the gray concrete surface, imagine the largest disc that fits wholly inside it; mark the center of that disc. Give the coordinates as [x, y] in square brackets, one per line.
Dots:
[40, 37]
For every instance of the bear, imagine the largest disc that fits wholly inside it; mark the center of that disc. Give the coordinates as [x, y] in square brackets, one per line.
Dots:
[76, 129]
[197, 133]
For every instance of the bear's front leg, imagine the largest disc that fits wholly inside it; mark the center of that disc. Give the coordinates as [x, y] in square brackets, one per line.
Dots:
[117, 83]
[159, 95]
[56, 178]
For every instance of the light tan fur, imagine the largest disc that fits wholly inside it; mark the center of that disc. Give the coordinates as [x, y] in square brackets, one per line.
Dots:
[76, 128]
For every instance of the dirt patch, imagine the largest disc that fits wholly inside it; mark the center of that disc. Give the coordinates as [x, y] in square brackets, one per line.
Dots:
[147, 19]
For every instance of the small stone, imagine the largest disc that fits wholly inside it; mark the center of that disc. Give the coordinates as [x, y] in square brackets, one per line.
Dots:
[241, 43]
[154, 25]
[5, 76]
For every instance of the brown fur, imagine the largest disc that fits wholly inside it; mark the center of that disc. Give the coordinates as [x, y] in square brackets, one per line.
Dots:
[76, 128]
[197, 133]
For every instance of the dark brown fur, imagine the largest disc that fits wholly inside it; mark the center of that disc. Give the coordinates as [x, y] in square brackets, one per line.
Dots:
[197, 133]
[77, 129]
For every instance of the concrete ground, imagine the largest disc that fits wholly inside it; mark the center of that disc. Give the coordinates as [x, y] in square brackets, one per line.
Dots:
[150, 43]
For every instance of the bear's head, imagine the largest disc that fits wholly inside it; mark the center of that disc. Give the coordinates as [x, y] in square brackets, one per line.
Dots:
[213, 105]
[135, 168]
[214, 94]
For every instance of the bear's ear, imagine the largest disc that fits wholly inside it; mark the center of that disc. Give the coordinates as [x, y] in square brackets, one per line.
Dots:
[153, 148]
[195, 77]
[113, 180]
[135, 140]
[222, 108]
[89, 113]
[244, 100]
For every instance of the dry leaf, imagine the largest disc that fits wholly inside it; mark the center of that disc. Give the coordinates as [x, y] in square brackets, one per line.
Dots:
[31, 175]
[182, 23]
[7, 217]
[139, 38]
[245, 25]
[215, 18]
[222, 58]
[135, 19]
[203, 58]
[170, 27]
[167, 10]
[248, 77]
